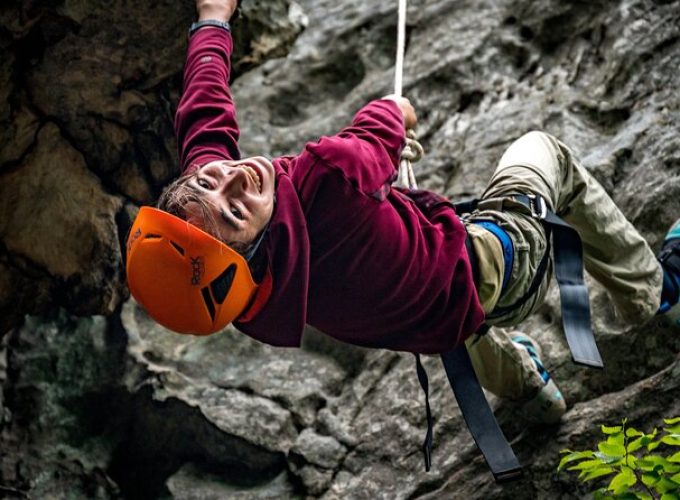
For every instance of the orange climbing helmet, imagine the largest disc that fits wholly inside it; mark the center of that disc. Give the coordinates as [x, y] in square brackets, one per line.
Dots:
[186, 280]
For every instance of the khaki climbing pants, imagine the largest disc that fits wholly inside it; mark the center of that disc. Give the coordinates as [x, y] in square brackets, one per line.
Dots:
[614, 253]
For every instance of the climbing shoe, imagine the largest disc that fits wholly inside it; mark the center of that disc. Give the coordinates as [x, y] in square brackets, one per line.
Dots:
[669, 257]
[548, 405]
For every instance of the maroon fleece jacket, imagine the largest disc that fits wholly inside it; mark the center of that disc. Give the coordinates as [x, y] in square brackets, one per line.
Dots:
[361, 261]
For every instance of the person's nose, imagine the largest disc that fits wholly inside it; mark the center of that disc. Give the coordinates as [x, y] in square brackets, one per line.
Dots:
[234, 182]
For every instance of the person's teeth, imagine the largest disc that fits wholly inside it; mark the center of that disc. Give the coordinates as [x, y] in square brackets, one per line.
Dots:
[253, 175]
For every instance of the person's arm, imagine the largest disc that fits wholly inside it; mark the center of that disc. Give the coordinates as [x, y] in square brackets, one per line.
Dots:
[205, 123]
[367, 152]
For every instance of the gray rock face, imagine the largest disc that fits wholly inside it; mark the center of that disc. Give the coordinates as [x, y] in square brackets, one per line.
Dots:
[87, 134]
[117, 406]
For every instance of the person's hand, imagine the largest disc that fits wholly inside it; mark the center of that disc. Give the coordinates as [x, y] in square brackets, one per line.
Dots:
[407, 110]
[221, 10]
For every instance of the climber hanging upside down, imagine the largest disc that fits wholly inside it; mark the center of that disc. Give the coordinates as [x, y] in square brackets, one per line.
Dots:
[322, 238]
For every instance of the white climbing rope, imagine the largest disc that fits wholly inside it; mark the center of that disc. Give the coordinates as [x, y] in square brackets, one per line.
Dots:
[401, 46]
[413, 151]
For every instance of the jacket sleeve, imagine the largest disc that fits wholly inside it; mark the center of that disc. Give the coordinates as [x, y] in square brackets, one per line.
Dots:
[205, 122]
[367, 152]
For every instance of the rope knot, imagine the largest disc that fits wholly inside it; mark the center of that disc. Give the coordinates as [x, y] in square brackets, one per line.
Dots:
[412, 153]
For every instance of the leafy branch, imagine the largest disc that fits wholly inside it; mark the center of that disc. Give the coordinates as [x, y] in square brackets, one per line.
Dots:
[640, 466]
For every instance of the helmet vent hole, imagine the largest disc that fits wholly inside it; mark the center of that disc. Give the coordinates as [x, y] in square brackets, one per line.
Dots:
[221, 285]
[151, 236]
[208, 302]
[177, 247]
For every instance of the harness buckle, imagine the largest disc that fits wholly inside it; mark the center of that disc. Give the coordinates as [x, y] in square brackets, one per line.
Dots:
[539, 208]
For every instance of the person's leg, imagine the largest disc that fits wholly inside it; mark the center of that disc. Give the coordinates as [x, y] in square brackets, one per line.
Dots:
[501, 367]
[614, 251]
[509, 364]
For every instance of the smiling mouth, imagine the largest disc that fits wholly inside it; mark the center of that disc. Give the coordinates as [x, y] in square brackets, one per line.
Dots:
[254, 175]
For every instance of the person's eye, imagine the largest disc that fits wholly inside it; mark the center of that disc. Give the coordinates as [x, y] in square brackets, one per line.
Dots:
[203, 183]
[236, 213]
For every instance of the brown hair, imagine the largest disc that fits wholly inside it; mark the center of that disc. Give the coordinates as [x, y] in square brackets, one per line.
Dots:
[176, 195]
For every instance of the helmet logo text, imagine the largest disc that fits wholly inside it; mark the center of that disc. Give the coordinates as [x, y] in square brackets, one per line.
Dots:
[133, 238]
[197, 270]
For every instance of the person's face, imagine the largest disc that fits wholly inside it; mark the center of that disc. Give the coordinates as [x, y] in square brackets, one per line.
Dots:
[240, 194]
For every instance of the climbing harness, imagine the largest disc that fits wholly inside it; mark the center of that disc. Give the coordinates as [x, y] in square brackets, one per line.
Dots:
[568, 258]
[413, 151]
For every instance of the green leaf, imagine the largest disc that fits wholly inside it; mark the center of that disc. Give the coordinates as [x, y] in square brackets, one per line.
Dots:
[671, 439]
[674, 429]
[573, 455]
[671, 421]
[586, 465]
[657, 463]
[589, 475]
[652, 463]
[674, 458]
[650, 478]
[665, 485]
[643, 496]
[676, 478]
[608, 459]
[636, 444]
[670, 496]
[622, 481]
[611, 449]
[601, 494]
[630, 432]
[653, 445]
[629, 495]
[611, 430]
[616, 439]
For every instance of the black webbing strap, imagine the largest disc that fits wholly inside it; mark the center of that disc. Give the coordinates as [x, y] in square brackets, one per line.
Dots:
[477, 415]
[568, 256]
[427, 444]
[466, 207]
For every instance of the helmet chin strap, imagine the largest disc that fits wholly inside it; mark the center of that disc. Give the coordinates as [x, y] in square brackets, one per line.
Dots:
[255, 246]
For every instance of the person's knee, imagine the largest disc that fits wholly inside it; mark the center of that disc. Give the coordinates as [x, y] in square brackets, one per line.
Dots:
[550, 141]
[536, 149]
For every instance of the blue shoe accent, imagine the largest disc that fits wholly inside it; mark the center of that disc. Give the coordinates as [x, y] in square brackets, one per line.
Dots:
[529, 346]
[673, 233]
[547, 406]
[669, 257]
